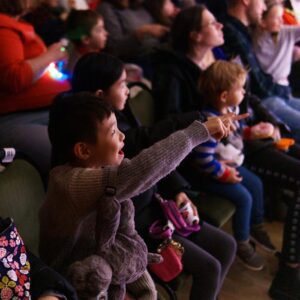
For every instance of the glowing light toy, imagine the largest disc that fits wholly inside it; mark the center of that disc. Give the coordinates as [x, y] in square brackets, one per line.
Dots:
[55, 73]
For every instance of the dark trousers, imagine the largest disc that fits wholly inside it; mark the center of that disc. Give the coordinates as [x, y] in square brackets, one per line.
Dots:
[281, 170]
[208, 256]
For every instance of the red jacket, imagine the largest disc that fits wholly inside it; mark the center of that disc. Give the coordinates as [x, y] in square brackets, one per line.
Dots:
[17, 92]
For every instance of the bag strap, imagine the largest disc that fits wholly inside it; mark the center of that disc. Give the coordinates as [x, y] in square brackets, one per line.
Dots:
[161, 230]
[110, 190]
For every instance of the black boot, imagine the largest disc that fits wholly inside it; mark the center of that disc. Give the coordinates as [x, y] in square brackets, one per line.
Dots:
[286, 284]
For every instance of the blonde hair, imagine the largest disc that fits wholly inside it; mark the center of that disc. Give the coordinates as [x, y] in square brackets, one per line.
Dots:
[219, 77]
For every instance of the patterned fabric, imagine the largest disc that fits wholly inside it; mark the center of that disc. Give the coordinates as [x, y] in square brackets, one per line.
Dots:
[14, 266]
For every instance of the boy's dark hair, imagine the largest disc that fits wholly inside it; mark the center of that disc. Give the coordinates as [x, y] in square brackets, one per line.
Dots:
[187, 21]
[13, 7]
[80, 23]
[74, 118]
[219, 77]
[95, 71]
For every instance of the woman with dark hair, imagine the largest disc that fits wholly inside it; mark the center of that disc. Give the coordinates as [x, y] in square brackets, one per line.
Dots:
[26, 87]
[209, 252]
[178, 67]
[195, 36]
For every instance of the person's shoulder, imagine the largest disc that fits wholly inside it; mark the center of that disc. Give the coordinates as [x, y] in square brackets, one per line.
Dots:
[165, 56]
[60, 171]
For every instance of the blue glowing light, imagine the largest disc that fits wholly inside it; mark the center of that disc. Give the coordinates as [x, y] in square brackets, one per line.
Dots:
[56, 74]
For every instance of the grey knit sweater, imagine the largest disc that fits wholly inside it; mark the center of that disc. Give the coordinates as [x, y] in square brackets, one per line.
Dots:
[68, 217]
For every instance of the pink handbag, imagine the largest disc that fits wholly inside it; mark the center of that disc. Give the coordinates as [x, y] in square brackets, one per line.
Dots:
[171, 266]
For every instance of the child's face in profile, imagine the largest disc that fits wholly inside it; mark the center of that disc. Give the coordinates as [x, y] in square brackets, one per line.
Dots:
[237, 92]
[98, 36]
[273, 21]
[108, 148]
[118, 93]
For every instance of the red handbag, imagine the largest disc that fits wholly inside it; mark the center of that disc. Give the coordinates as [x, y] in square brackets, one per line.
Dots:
[171, 266]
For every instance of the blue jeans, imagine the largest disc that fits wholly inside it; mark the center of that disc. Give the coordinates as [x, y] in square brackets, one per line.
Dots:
[288, 110]
[247, 196]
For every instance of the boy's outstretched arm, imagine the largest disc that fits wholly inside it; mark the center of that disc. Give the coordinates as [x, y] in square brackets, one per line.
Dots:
[156, 162]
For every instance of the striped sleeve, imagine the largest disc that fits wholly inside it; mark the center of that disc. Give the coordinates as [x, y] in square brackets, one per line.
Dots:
[204, 157]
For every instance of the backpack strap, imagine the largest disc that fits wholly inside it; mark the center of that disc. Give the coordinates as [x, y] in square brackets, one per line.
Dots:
[108, 210]
[110, 180]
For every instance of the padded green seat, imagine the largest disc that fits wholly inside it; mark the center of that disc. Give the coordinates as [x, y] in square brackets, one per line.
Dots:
[21, 194]
[141, 104]
[212, 208]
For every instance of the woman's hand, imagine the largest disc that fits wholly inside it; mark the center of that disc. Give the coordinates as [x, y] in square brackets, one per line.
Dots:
[39, 64]
[57, 51]
[182, 198]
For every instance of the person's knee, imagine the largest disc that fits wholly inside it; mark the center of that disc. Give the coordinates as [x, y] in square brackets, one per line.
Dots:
[211, 271]
[244, 200]
[229, 247]
[257, 183]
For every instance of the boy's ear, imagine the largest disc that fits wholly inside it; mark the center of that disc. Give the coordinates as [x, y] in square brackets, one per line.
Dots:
[81, 151]
[99, 93]
[223, 96]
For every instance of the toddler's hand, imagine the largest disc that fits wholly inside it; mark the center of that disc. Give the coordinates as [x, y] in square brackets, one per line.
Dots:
[234, 175]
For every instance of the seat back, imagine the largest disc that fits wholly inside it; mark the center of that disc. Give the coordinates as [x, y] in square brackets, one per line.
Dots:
[141, 103]
[21, 194]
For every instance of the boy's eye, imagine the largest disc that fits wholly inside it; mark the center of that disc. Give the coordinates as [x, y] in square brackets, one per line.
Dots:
[113, 131]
